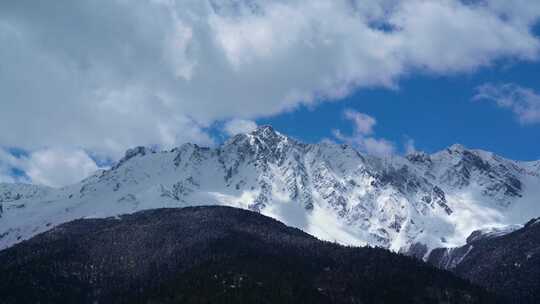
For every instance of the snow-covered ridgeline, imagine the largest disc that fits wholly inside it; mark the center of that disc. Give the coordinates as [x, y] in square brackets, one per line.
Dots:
[329, 190]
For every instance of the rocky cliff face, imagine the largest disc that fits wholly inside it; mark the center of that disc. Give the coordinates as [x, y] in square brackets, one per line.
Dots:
[328, 190]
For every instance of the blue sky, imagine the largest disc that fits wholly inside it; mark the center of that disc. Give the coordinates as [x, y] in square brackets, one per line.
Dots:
[435, 112]
[82, 81]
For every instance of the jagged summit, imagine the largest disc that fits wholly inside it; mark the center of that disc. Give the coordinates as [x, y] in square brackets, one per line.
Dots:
[265, 131]
[329, 190]
[133, 152]
[267, 135]
[457, 148]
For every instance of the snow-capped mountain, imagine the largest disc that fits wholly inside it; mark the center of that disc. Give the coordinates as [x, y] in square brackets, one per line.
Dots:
[329, 190]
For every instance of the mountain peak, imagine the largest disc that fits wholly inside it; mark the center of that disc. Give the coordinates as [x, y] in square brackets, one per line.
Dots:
[264, 131]
[275, 174]
[457, 148]
[262, 134]
[267, 135]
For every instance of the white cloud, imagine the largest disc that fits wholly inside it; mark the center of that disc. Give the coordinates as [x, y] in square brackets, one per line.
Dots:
[6, 178]
[409, 146]
[169, 69]
[523, 102]
[237, 126]
[59, 167]
[329, 141]
[7, 163]
[449, 36]
[5, 174]
[363, 123]
[363, 127]
[51, 167]
[380, 146]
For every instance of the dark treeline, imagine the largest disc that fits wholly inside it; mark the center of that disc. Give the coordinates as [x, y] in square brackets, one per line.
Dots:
[508, 265]
[213, 255]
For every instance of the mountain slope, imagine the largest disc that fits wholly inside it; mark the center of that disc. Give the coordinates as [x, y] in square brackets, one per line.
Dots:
[506, 263]
[213, 255]
[328, 190]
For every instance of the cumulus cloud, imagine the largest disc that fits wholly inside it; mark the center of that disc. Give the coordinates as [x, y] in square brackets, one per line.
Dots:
[107, 75]
[6, 178]
[237, 126]
[6, 175]
[363, 123]
[53, 167]
[374, 146]
[362, 129]
[523, 102]
[58, 167]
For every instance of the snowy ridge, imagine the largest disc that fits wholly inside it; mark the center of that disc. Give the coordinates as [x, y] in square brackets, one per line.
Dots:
[491, 232]
[328, 190]
[15, 192]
